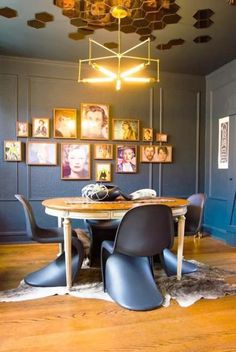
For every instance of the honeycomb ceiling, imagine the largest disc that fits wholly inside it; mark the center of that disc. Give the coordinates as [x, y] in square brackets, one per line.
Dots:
[187, 36]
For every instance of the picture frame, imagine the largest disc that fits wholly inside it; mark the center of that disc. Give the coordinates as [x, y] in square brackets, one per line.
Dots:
[164, 153]
[22, 129]
[126, 158]
[103, 172]
[103, 151]
[41, 153]
[125, 129]
[148, 153]
[147, 134]
[65, 123]
[40, 127]
[94, 121]
[75, 161]
[161, 137]
[13, 151]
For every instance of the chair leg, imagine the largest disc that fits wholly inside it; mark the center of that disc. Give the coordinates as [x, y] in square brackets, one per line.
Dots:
[54, 274]
[169, 263]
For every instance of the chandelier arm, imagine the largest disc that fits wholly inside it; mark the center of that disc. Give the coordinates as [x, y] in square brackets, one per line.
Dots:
[135, 47]
[102, 46]
[98, 58]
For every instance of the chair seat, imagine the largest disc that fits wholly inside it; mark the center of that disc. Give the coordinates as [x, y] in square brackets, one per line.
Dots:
[130, 283]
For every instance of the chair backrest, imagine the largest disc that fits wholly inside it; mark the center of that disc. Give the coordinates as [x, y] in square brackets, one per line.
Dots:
[145, 230]
[31, 226]
[194, 213]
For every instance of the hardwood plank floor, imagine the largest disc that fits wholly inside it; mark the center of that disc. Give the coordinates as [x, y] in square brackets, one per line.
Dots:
[65, 323]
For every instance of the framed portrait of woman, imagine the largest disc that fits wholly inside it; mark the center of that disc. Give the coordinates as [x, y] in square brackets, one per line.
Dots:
[41, 153]
[164, 153]
[103, 151]
[126, 158]
[125, 129]
[65, 123]
[13, 151]
[22, 129]
[40, 127]
[75, 161]
[103, 172]
[94, 121]
[147, 134]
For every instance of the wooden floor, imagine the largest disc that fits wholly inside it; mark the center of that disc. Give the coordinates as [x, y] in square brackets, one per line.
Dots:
[71, 324]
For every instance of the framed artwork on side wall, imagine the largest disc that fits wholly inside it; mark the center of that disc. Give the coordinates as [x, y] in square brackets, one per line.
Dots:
[22, 129]
[41, 153]
[40, 127]
[12, 151]
[125, 129]
[126, 158]
[103, 172]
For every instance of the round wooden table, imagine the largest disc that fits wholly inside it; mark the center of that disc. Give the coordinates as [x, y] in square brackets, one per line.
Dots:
[80, 208]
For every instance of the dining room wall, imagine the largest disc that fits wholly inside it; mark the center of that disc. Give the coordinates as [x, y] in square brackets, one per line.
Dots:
[33, 88]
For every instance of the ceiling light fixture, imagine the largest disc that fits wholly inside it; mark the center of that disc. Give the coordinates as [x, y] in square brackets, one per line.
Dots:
[119, 75]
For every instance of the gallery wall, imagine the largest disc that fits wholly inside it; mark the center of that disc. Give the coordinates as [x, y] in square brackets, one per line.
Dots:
[33, 88]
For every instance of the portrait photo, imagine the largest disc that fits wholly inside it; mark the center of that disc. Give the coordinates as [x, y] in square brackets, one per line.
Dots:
[126, 158]
[103, 151]
[75, 161]
[103, 172]
[148, 154]
[22, 129]
[65, 123]
[41, 153]
[125, 129]
[164, 153]
[147, 134]
[94, 122]
[161, 137]
[12, 151]
[40, 127]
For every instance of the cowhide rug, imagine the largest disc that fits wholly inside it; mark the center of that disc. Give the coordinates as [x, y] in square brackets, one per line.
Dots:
[208, 282]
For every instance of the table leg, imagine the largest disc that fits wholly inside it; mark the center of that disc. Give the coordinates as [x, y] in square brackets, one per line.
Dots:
[181, 227]
[61, 247]
[67, 244]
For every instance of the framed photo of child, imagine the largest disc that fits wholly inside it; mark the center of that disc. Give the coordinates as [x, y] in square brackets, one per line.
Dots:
[147, 134]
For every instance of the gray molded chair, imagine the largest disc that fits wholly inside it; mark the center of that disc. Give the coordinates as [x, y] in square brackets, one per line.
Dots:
[99, 231]
[127, 270]
[193, 224]
[54, 273]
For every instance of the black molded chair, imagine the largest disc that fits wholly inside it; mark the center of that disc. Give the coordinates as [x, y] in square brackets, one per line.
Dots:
[54, 274]
[127, 271]
[99, 231]
[194, 216]
[193, 224]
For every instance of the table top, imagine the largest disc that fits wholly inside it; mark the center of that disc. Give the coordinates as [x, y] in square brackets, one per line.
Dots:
[80, 204]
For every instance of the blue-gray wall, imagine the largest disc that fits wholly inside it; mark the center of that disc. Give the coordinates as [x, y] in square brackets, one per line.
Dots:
[220, 184]
[33, 88]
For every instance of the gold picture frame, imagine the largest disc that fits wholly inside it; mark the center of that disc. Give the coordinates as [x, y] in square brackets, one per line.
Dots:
[103, 172]
[22, 129]
[94, 121]
[147, 135]
[125, 130]
[164, 153]
[75, 161]
[103, 151]
[41, 153]
[13, 151]
[161, 137]
[65, 123]
[41, 127]
[126, 158]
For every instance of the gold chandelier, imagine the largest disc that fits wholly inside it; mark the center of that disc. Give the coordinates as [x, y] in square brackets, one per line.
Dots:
[119, 75]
